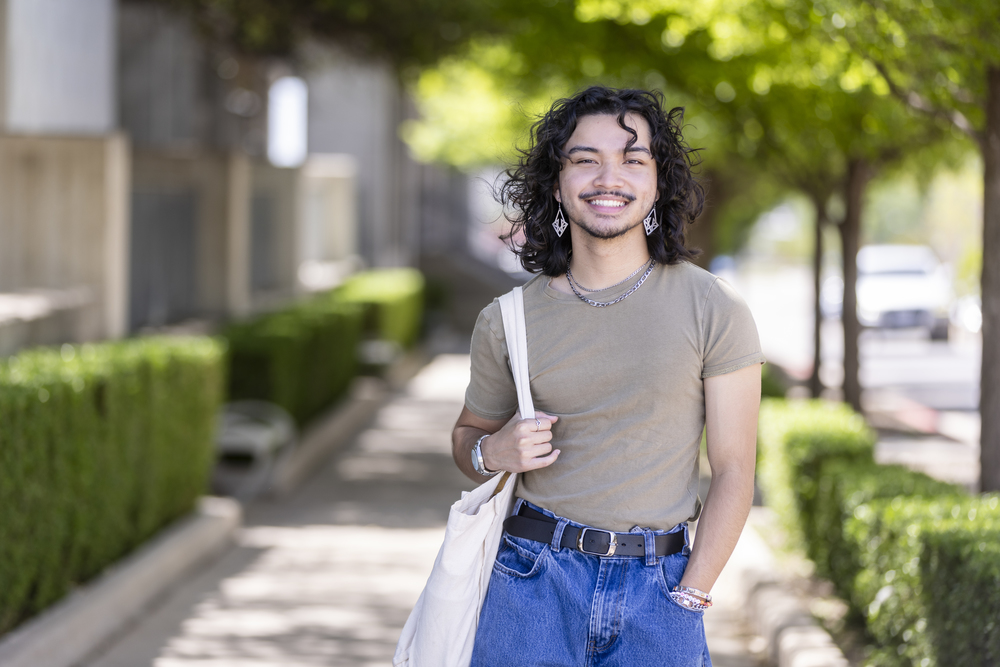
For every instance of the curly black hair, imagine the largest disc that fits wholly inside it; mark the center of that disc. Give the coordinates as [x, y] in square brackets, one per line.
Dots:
[527, 194]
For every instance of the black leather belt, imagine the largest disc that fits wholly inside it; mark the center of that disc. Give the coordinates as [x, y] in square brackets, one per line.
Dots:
[533, 525]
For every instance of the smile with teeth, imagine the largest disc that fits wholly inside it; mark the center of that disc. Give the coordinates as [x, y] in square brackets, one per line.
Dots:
[607, 203]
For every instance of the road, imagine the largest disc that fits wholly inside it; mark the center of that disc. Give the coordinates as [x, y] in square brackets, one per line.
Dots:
[939, 375]
[922, 395]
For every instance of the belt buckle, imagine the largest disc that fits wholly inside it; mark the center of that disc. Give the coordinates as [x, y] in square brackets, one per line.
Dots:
[612, 545]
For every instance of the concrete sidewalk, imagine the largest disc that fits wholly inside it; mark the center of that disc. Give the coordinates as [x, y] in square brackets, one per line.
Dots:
[941, 443]
[328, 575]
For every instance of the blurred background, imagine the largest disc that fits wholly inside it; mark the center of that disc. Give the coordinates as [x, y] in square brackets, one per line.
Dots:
[186, 162]
[221, 167]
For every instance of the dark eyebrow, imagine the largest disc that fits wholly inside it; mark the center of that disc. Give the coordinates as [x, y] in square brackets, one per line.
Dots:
[588, 149]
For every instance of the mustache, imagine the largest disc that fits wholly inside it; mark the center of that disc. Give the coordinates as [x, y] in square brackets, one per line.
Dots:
[608, 193]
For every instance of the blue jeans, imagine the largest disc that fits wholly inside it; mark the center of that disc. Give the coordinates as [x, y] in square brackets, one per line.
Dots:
[555, 606]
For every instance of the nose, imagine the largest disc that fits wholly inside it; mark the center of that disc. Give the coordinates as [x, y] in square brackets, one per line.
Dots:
[610, 176]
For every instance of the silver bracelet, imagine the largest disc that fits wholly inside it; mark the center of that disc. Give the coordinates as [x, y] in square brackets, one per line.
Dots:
[705, 597]
[688, 601]
[477, 459]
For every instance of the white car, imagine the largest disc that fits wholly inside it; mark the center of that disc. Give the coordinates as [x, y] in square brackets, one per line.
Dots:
[899, 286]
[903, 286]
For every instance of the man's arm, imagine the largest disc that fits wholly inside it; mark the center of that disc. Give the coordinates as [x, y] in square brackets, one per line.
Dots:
[732, 402]
[516, 444]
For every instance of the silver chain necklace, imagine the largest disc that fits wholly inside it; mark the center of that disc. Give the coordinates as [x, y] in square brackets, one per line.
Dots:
[605, 304]
[620, 282]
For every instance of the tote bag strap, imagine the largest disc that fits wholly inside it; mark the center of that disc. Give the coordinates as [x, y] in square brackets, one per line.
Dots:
[512, 310]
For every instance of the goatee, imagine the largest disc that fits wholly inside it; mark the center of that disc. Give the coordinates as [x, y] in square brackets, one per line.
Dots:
[606, 234]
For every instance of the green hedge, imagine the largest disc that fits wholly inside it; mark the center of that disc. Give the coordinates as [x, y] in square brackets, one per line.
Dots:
[393, 300]
[772, 384]
[304, 357]
[100, 446]
[795, 438]
[918, 595]
[301, 358]
[845, 485]
[957, 566]
[916, 558]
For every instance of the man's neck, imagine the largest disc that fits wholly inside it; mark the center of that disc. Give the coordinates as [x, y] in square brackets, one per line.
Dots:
[599, 263]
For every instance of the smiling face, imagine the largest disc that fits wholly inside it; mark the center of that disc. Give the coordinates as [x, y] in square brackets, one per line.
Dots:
[607, 187]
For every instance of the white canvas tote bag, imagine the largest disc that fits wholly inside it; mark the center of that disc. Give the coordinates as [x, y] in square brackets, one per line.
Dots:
[441, 628]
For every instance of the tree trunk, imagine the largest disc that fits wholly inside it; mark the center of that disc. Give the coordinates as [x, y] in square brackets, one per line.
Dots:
[989, 398]
[858, 174]
[815, 384]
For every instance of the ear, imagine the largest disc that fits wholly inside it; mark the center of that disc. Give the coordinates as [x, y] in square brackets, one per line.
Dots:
[556, 193]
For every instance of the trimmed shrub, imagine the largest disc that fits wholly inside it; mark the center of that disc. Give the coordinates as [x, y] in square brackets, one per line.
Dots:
[794, 439]
[302, 358]
[842, 487]
[960, 569]
[917, 559]
[100, 447]
[393, 300]
[774, 382]
[902, 589]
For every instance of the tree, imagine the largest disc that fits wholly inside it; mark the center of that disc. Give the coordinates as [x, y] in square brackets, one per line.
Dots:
[817, 116]
[941, 58]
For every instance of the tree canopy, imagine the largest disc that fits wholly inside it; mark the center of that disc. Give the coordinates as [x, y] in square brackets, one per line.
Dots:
[933, 55]
[942, 58]
[775, 95]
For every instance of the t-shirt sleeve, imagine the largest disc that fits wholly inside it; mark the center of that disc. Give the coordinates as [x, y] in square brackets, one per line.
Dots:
[491, 393]
[730, 335]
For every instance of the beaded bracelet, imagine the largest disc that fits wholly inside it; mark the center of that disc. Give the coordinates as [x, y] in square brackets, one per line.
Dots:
[701, 595]
[689, 601]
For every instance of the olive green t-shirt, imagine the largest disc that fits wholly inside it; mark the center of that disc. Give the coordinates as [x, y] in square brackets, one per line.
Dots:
[626, 384]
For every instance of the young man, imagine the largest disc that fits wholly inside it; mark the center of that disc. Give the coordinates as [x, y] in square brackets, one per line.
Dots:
[632, 352]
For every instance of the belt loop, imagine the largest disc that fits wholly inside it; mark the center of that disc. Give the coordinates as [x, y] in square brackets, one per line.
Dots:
[650, 545]
[557, 534]
[518, 502]
[687, 540]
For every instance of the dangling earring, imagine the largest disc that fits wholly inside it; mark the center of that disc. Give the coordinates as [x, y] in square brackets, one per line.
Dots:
[559, 224]
[650, 222]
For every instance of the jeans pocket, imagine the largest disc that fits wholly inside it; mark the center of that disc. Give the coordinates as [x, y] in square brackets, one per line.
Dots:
[690, 611]
[519, 557]
[670, 572]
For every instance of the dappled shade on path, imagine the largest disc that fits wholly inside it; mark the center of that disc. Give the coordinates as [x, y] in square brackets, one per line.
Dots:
[328, 575]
